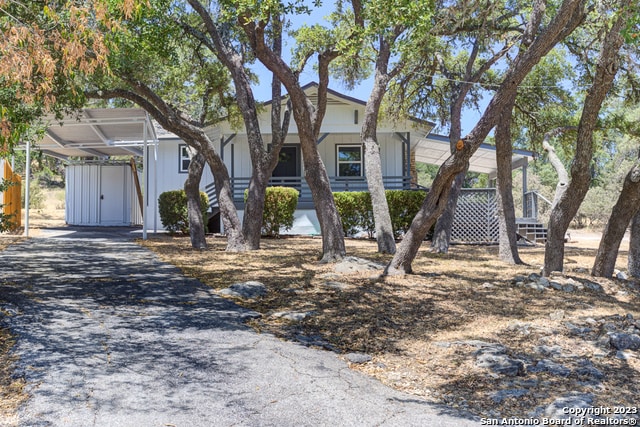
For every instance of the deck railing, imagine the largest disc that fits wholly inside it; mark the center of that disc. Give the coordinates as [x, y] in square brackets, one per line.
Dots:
[531, 208]
[476, 218]
[338, 183]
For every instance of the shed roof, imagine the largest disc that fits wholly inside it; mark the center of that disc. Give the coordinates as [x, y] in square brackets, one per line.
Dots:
[99, 132]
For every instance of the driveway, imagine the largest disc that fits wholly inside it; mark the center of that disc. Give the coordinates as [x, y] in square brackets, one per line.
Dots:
[108, 335]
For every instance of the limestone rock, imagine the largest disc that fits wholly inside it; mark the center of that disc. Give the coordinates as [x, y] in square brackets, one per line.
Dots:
[250, 289]
[353, 264]
[294, 316]
[358, 358]
[623, 341]
[494, 359]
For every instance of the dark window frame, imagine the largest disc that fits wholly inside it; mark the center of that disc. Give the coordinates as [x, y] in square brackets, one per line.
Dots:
[338, 162]
[182, 159]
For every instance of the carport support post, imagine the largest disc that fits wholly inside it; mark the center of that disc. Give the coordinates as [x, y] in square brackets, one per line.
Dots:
[524, 186]
[145, 184]
[155, 186]
[27, 180]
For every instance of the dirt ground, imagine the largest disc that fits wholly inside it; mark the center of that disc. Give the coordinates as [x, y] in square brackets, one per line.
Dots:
[422, 331]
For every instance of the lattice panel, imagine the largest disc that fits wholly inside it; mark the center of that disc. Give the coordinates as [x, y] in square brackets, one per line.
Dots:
[476, 219]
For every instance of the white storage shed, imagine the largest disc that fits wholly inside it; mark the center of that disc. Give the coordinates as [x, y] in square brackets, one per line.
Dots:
[101, 194]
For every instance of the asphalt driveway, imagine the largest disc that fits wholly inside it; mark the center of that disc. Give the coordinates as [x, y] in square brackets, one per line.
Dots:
[108, 335]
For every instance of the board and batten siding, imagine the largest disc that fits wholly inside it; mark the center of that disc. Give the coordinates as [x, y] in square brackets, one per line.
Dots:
[167, 176]
[238, 160]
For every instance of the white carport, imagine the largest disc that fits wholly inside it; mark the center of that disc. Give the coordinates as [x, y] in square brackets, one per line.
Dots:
[434, 150]
[89, 141]
[476, 218]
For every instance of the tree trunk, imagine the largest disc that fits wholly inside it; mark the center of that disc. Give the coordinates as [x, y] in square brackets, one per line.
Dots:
[373, 167]
[308, 118]
[567, 18]
[634, 247]
[194, 212]
[228, 211]
[508, 239]
[315, 174]
[433, 205]
[566, 206]
[623, 212]
[444, 225]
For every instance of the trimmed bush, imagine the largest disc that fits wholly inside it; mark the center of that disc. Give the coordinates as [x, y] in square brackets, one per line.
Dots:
[280, 203]
[403, 206]
[172, 206]
[356, 211]
[354, 208]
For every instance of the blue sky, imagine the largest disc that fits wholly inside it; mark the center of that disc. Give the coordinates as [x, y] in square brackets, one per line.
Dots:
[262, 92]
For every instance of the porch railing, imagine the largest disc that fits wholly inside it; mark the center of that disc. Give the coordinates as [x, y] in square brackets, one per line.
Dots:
[531, 204]
[338, 183]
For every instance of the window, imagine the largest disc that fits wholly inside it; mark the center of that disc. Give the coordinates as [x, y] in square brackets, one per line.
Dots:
[350, 160]
[184, 158]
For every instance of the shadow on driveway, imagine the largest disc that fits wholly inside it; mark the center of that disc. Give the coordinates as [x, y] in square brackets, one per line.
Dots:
[110, 335]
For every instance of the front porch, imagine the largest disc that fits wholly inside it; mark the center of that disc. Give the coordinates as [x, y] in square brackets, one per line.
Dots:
[305, 200]
[475, 221]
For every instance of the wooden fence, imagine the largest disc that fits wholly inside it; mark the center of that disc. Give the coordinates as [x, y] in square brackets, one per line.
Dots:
[11, 197]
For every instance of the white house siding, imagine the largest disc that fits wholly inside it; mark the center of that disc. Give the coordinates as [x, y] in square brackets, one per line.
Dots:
[167, 178]
[390, 148]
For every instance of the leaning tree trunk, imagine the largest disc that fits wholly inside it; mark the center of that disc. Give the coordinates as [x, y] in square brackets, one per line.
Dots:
[434, 204]
[194, 211]
[228, 212]
[561, 171]
[634, 247]
[382, 218]
[384, 229]
[508, 239]
[567, 205]
[623, 212]
[315, 173]
[444, 225]
[308, 118]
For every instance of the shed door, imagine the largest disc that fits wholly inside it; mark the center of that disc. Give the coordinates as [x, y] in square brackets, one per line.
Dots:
[111, 195]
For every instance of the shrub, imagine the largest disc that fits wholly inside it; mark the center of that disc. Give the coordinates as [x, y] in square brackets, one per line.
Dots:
[279, 206]
[403, 206]
[172, 206]
[354, 208]
[356, 211]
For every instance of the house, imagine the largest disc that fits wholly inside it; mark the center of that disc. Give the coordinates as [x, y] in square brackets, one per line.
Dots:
[104, 191]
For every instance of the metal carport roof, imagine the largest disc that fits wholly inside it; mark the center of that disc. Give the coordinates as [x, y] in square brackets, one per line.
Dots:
[434, 150]
[98, 132]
